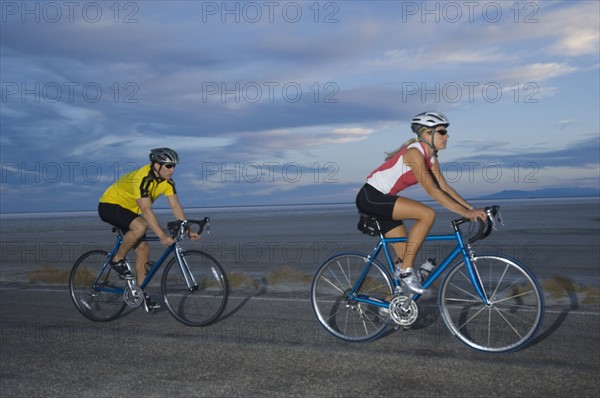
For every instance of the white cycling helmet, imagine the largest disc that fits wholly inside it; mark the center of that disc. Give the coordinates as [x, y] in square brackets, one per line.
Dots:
[429, 119]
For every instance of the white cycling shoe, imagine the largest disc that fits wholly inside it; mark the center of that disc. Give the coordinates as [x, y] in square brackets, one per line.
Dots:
[408, 279]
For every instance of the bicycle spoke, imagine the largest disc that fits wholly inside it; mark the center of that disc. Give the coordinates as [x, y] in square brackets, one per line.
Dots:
[459, 300]
[508, 321]
[333, 285]
[523, 294]
[346, 317]
[347, 273]
[95, 290]
[365, 328]
[346, 276]
[499, 282]
[460, 289]
[474, 316]
[195, 291]
[524, 315]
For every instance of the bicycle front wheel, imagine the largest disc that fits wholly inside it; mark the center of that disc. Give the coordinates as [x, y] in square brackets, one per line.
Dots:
[513, 315]
[96, 290]
[196, 291]
[335, 308]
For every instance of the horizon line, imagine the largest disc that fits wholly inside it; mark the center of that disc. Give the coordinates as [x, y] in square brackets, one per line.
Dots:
[295, 204]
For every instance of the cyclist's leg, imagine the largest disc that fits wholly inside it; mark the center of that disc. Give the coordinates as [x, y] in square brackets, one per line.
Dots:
[398, 232]
[372, 202]
[142, 255]
[132, 240]
[424, 217]
[135, 231]
[131, 224]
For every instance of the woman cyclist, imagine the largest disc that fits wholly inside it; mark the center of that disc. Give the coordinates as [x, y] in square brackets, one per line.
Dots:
[414, 162]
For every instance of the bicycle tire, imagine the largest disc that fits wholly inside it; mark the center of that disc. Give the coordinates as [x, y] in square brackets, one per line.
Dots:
[96, 290]
[341, 316]
[202, 304]
[512, 318]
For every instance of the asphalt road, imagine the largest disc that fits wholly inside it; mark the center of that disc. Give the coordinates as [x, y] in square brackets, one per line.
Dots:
[271, 345]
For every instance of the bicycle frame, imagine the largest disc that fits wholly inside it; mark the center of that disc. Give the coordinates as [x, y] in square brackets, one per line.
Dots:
[177, 228]
[460, 249]
[174, 247]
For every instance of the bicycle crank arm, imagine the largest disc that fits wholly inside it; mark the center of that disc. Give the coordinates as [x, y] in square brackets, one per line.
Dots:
[133, 294]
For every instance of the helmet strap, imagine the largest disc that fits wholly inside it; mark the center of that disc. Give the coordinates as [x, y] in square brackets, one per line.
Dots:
[429, 144]
[157, 172]
[435, 151]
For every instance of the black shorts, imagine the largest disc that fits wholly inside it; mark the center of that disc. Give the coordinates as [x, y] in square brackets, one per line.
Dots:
[116, 215]
[374, 203]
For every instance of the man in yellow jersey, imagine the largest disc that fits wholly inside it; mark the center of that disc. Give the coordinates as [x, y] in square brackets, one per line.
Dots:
[127, 205]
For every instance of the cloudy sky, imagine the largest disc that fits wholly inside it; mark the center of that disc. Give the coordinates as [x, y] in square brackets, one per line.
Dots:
[292, 102]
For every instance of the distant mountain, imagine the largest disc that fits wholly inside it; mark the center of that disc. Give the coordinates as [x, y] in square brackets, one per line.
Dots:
[544, 193]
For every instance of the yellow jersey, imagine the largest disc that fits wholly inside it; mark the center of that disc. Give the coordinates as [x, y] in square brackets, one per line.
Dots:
[140, 183]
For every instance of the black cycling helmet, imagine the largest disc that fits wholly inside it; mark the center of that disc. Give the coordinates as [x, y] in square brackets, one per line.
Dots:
[163, 156]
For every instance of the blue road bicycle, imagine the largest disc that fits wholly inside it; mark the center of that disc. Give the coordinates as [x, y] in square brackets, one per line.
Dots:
[194, 286]
[492, 303]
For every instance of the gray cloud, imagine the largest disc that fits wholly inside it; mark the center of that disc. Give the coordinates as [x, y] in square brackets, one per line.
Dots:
[579, 153]
[98, 95]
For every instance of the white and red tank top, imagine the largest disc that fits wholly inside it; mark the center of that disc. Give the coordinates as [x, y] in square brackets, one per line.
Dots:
[393, 175]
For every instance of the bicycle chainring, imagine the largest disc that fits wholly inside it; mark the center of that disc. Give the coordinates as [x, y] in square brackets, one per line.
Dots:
[133, 295]
[403, 311]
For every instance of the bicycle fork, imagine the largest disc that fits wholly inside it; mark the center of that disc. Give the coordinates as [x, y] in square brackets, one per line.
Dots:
[191, 282]
[469, 258]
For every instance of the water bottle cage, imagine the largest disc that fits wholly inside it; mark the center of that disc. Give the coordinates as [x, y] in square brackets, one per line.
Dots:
[426, 268]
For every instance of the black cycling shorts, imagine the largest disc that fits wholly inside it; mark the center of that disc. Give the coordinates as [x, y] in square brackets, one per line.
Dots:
[116, 215]
[374, 203]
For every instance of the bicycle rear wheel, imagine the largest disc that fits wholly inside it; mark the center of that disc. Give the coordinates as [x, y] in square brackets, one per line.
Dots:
[337, 311]
[196, 297]
[515, 311]
[96, 290]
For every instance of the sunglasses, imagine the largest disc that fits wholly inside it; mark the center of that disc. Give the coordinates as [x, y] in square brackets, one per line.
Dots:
[442, 132]
[169, 165]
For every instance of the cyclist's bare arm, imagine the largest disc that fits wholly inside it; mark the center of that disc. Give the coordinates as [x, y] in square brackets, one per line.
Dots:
[415, 160]
[179, 213]
[145, 205]
[439, 176]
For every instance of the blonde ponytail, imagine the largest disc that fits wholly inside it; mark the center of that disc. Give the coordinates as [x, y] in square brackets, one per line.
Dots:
[420, 130]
